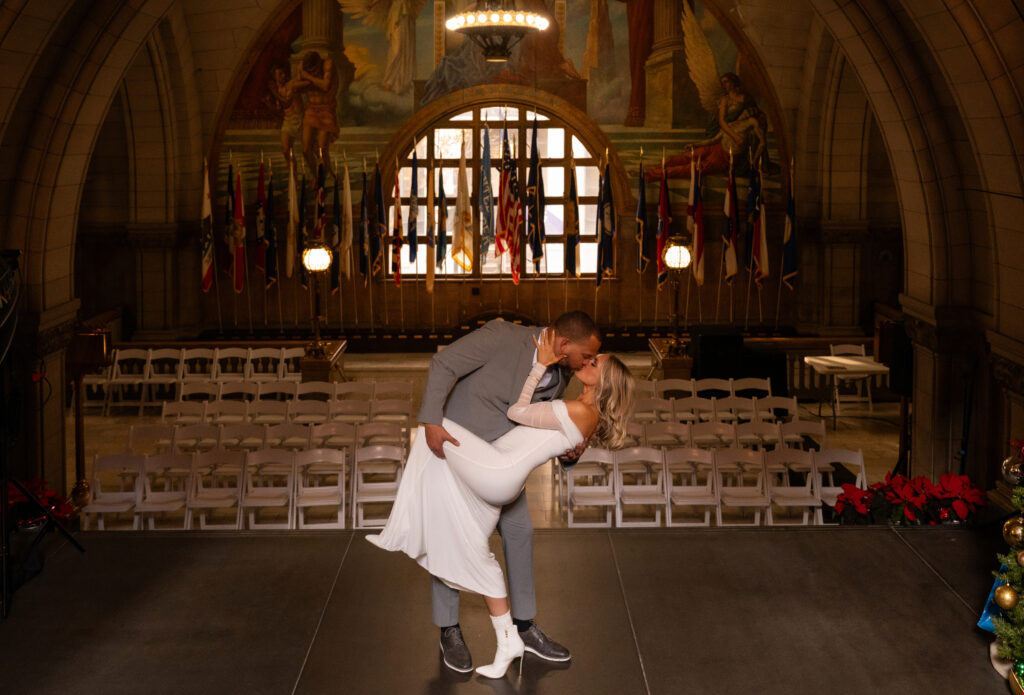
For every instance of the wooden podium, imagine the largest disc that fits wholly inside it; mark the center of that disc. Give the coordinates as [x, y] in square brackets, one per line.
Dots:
[674, 364]
[320, 368]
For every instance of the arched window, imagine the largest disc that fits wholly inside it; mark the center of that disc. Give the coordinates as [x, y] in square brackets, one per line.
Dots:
[558, 145]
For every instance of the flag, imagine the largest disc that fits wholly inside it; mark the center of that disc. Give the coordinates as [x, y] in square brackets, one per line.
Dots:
[293, 220]
[462, 239]
[396, 242]
[260, 251]
[364, 231]
[345, 235]
[379, 230]
[789, 252]
[320, 225]
[535, 203]
[270, 238]
[486, 198]
[238, 237]
[572, 226]
[207, 232]
[442, 221]
[732, 222]
[664, 220]
[697, 215]
[301, 234]
[606, 217]
[412, 238]
[431, 252]
[335, 241]
[642, 245]
[510, 209]
[757, 244]
[229, 221]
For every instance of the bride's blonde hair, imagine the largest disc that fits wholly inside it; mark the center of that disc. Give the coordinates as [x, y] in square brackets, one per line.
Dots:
[613, 398]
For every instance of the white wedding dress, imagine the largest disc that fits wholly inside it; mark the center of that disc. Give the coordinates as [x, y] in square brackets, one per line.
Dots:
[447, 509]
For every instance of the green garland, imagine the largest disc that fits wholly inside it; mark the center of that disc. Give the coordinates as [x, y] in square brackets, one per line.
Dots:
[1010, 627]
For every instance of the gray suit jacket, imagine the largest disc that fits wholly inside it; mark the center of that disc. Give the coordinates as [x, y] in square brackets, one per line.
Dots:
[488, 368]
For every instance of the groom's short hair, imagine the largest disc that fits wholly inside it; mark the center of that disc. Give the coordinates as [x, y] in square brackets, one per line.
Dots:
[577, 326]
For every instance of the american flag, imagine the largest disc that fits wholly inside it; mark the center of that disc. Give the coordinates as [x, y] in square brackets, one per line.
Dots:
[510, 209]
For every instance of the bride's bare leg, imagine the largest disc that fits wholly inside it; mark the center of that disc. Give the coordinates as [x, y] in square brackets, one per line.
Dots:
[496, 606]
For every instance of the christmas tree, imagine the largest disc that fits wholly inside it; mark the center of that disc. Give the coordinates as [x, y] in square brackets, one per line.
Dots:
[1010, 627]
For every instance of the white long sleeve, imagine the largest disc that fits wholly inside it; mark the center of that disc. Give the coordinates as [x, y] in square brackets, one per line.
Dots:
[540, 415]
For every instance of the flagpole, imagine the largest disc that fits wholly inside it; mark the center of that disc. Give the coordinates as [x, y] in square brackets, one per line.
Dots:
[782, 249]
[401, 289]
[213, 248]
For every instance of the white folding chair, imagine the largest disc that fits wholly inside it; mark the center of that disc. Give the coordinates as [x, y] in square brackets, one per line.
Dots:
[216, 484]
[803, 433]
[396, 410]
[712, 435]
[782, 464]
[96, 386]
[757, 435]
[288, 435]
[350, 410]
[315, 390]
[732, 409]
[198, 391]
[376, 475]
[196, 438]
[667, 435]
[741, 479]
[269, 483]
[243, 436]
[388, 433]
[308, 412]
[634, 435]
[640, 482]
[238, 391]
[128, 379]
[826, 464]
[591, 483]
[865, 381]
[231, 364]
[690, 477]
[183, 412]
[751, 387]
[386, 390]
[103, 498]
[712, 388]
[320, 483]
[164, 375]
[775, 408]
[644, 388]
[165, 486]
[150, 439]
[227, 412]
[357, 390]
[268, 412]
[291, 357]
[197, 364]
[333, 435]
[279, 390]
[647, 410]
[264, 365]
[673, 388]
[693, 409]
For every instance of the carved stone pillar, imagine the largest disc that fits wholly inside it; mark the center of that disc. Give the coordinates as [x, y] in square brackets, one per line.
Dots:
[667, 76]
[321, 25]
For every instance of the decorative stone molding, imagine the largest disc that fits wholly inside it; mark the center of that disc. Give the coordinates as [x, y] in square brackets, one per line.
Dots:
[1008, 374]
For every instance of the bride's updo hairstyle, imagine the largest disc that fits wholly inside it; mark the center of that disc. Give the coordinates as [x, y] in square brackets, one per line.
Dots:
[613, 397]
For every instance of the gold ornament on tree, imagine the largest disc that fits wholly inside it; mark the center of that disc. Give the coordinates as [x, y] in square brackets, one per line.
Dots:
[1006, 597]
[1013, 532]
[1020, 558]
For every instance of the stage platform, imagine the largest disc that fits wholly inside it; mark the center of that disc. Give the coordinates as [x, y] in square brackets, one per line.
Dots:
[718, 611]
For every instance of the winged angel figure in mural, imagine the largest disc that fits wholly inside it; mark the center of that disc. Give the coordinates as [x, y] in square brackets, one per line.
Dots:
[398, 20]
[736, 122]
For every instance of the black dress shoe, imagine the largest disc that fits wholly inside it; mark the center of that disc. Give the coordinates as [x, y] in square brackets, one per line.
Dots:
[538, 643]
[454, 650]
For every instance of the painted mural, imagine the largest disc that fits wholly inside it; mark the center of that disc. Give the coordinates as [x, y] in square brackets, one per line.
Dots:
[383, 69]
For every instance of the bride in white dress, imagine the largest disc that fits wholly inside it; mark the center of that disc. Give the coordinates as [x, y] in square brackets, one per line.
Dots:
[447, 509]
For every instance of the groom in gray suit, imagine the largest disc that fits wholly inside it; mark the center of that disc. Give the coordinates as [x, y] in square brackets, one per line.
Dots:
[473, 382]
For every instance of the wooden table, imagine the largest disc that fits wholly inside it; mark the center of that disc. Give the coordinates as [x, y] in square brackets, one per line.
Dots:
[843, 367]
[319, 368]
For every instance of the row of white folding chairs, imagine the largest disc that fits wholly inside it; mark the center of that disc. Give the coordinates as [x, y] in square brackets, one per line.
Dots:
[242, 484]
[135, 374]
[719, 388]
[706, 480]
[153, 439]
[283, 390]
[301, 411]
[728, 409]
[755, 434]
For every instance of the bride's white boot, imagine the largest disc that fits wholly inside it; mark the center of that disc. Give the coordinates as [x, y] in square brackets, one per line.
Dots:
[510, 647]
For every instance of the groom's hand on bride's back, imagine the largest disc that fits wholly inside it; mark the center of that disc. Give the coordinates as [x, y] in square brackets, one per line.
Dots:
[570, 457]
[436, 436]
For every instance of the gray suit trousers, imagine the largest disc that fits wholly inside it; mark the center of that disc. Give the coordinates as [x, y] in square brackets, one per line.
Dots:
[516, 531]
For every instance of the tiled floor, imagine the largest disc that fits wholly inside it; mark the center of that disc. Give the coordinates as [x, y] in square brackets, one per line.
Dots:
[876, 434]
[796, 611]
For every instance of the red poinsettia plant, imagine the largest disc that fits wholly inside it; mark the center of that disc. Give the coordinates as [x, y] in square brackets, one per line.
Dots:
[902, 500]
[26, 514]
